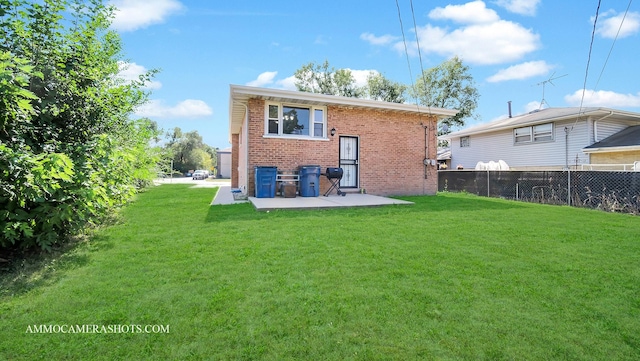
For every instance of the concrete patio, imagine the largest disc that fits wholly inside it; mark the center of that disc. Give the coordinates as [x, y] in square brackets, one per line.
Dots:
[224, 196]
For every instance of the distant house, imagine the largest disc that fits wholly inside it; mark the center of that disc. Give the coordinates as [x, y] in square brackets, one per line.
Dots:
[444, 158]
[384, 148]
[224, 163]
[622, 148]
[550, 139]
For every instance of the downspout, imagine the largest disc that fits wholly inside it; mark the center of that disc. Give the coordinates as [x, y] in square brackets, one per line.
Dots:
[566, 147]
[595, 126]
[244, 141]
[426, 150]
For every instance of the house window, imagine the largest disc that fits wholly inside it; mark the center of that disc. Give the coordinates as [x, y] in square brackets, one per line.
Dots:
[295, 120]
[522, 135]
[533, 134]
[543, 132]
[464, 142]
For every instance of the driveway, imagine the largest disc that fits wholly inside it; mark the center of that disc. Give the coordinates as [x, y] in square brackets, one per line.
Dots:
[209, 183]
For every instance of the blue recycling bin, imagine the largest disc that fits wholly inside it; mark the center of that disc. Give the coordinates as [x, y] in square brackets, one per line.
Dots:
[309, 177]
[265, 182]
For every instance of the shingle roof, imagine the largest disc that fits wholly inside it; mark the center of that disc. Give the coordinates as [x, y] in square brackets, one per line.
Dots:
[538, 117]
[627, 137]
[444, 153]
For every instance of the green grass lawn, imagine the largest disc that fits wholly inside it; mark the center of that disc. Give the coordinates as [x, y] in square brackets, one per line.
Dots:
[452, 277]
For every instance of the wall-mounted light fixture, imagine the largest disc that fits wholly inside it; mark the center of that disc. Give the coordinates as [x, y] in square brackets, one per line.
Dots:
[333, 131]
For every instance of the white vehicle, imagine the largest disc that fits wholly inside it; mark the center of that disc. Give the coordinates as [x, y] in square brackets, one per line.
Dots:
[200, 174]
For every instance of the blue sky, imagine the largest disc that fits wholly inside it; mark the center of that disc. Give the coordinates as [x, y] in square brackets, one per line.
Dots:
[511, 47]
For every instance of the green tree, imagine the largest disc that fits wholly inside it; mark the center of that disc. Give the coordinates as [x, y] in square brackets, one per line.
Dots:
[69, 152]
[323, 79]
[451, 86]
[189, 151]
[383, 89]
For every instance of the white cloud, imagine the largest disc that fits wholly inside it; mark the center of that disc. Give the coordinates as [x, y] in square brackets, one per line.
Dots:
[263, 79]
[130, 72]
[378, 40]
[268, 79]
[522, 7]
[131, 15]
[361, 76]
[521, 71]
[531, 106]
[488, 43]
[288, 83]
[190, 108]
[482, 38]
[603, 98]
[474, 12]
[609, 25]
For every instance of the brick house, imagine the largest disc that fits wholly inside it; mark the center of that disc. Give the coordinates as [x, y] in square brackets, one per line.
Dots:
[382, 147]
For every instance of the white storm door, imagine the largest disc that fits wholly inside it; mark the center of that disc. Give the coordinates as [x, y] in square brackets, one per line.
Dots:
[349, 162]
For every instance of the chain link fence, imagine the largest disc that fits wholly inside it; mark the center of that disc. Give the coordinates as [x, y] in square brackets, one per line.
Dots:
[605, 190]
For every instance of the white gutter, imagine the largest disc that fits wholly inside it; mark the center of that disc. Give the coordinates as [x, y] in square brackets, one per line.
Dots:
[339, 100]
[611, 149]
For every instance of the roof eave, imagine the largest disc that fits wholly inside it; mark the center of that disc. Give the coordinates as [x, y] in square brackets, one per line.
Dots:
[590, 113]
[239, 94]
[627, 148]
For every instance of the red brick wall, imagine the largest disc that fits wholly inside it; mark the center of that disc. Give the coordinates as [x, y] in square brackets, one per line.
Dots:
[392, 149]
[235, 144]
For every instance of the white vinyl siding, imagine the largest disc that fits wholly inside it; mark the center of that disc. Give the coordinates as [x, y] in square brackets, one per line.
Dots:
[607, 128]
[500, 145]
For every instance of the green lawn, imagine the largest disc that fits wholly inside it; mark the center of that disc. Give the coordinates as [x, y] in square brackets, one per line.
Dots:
[452, 277]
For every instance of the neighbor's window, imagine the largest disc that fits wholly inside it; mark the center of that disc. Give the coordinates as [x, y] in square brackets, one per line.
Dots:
[536, 133]
[464, 142]
[543, 132]
[295, 120]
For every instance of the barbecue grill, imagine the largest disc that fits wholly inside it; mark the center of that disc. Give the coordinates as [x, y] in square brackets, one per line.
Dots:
[334, 175]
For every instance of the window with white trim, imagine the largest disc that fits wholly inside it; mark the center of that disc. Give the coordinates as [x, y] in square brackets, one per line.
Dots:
[533, 134]
[543, 132]
[464, 142]
[295, 120]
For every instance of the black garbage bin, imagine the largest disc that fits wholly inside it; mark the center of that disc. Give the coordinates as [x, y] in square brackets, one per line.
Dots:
[309, 180]
[265, 181]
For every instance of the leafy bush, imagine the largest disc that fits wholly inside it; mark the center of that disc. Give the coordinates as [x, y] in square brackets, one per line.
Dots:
[69, 152]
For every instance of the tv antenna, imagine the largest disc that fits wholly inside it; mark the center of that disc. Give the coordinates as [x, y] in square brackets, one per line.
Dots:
[544, 83]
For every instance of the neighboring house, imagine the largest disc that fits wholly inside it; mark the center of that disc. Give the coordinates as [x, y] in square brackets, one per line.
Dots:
[382, 147]
[547, 139]
[444, 158]
[621, 148]
[224, 163]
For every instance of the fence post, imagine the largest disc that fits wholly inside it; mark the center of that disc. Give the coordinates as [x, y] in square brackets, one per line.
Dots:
[569, 187]
[488, 184]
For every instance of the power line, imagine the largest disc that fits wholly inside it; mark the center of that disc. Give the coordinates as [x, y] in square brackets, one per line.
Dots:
[612, 45]
[404, 40]
[415, 26]
[586, 72]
